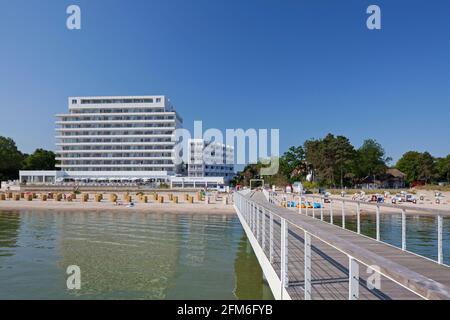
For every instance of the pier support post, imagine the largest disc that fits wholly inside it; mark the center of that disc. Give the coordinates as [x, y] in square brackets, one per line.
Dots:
[307, 270]
[353, 278]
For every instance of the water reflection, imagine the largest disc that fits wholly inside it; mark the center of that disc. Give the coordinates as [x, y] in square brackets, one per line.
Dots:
[9, 231]
[421, 232]
[127, 256]
[249, 280]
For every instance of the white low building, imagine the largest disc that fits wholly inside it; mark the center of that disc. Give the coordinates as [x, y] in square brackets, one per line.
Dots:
[197, 182]
[210, 159]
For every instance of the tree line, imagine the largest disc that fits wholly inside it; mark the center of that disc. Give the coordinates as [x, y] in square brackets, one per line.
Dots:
[334, 162]
[12, 160]
[330, 162]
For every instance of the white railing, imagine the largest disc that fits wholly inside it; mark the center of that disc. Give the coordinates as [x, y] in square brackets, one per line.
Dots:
[403, 210]
[260, 220]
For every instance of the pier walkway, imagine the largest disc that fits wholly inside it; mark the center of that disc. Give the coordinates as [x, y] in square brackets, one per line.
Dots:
[306, 258]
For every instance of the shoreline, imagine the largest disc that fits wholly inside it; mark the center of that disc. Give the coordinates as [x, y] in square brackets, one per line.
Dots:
[151, 208]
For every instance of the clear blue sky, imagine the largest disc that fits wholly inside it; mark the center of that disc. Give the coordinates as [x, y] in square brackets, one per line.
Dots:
[305, 67]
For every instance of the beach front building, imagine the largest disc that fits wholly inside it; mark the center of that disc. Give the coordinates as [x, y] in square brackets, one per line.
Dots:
[210, 159]
[209, 165]
[113, 139]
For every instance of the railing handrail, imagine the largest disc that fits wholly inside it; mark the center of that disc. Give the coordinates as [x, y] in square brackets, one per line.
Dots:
[411, 280]
[433, 211]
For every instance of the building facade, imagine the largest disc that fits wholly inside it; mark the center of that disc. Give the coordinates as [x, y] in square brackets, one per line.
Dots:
[210, 159]
[107, 138]
[127, 139]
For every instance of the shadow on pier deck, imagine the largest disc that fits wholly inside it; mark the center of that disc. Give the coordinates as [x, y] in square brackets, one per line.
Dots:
[306, 258]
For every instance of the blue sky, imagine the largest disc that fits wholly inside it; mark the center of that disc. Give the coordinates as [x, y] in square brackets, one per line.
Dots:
[305, 67]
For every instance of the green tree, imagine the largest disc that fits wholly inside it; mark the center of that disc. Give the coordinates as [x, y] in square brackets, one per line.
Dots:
[417, 166]
[331, 159]
[344, 159]
[10, 159]
[292, 164]
[253, 171]
[427, 167]
[371, 160]
[443, 169]
[40, 160]
[409, 164]
[250, 171]
[313, 158]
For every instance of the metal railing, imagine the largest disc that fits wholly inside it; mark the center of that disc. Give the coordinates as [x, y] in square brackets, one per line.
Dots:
[403, 210]
[261, 220]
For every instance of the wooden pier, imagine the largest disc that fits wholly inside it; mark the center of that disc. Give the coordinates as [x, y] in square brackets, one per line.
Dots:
[306, 258]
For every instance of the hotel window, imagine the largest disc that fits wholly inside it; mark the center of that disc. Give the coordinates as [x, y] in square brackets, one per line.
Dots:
[74, 101]
[158, 99]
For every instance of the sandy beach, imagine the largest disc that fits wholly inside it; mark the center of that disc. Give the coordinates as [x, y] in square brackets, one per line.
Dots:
[216, 205]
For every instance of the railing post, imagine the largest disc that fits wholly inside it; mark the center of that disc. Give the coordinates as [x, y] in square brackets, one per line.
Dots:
[343, 214]
[353, 278]
[270, 237]
[307, 270]
[284, 256]
[257, 224]
[306, 205]
[251, 217]
[378, 222]
[249, 214]
[358, 218]
[322, 203]
[263, 227]
[254, 219]
[300, 205]
[440, 248]
[313, 209]
[403, 229]
[247, 211]
[331, 211]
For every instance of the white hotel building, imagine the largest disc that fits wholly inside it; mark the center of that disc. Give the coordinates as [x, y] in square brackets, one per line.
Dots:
[210, 159]
[114, 139]
[208, 162]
